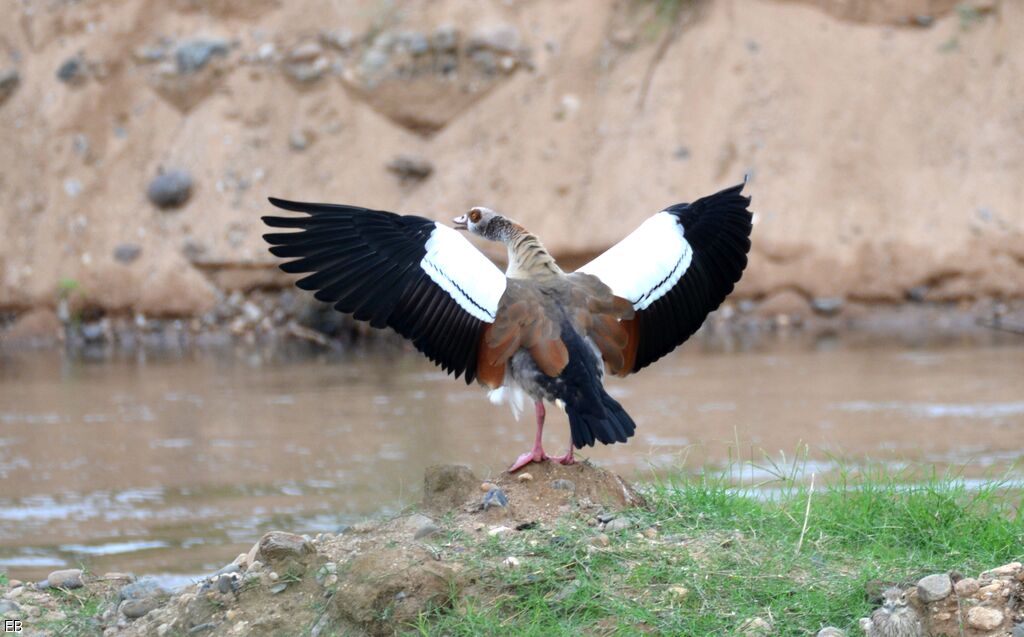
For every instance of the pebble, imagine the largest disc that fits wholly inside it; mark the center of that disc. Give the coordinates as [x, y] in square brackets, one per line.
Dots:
[618, 524]
[9, 80]
[829, 631]
[411, 167]
[170, 189]
[679, 592]
[499, 531]
[601, 539]
[565, 485]
[502, 38]
[193, 55]
[230, 568]
[967, 587]
[331, 580]
[305, 52]
[827, 305]
[525, 477]
[272, 576]
[487, 486]
[650, 533]
[298, 140]
[278, 588]
[146, 587]
[135, 608]
[605, 518]
[983, 618]
[756, 626]
[511, 562]
[278, 545]
[1006, 569]
[72, 71]
[445, 38]
[933, 588]
[1018, 630]
[427, 530]
[65, 578]
[495, 497]
[8, 607]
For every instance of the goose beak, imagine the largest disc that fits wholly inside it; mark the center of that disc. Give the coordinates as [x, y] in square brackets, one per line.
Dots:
[461, 223]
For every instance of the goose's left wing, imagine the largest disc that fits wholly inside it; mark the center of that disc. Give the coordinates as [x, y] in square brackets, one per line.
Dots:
[419, 277]
[675, 269]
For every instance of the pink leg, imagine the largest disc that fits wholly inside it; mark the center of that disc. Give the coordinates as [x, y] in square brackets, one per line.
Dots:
[537, 453]
[566, 459]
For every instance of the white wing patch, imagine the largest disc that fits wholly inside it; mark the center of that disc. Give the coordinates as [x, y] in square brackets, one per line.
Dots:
[463, 272]
[646, 264]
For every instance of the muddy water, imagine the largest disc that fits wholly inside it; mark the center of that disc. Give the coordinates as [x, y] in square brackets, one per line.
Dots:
[175, 464]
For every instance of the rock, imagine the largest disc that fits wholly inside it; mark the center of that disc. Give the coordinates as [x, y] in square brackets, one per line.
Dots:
[41, 324]
[605, 518]
[525, 477]
[305, 52]
[427, 530]
[127, 252]
[278, 588]
[226, 583]
[511, 562]
[563, 485]
[601, 539]
[827, 305]
[384, 591]
[756, 626]
[9, 80]
[341, 39]
[966, 587]
[983, 618]
[193, 55]
[8, 607]
[278, 546]
[785, 303]
[502, 38]
[65, 578]
[1006, 570]
[829, 631]
[307, 71]
[494, 497]
[679, 593]
[446, 487]
[135, 608]
[445, 38]
[170, 189]
[934, 588]
[72, 71]
[618, 524]
[298, 140]
[414, 43]
[650, 533]
[499, 531]
[145, 587]
[1018, 630]
[411, 167]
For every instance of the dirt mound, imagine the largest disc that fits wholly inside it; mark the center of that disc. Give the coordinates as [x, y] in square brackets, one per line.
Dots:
[380, 575]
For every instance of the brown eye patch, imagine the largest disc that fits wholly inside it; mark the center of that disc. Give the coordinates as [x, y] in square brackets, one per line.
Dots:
[474, 216]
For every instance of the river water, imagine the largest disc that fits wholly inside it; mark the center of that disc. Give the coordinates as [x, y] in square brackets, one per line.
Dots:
[174, 463]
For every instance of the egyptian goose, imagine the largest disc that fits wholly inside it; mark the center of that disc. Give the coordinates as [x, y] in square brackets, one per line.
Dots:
[534, 330]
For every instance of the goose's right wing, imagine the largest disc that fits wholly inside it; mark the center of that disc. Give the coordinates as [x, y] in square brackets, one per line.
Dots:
[675, 269]
[417, 276]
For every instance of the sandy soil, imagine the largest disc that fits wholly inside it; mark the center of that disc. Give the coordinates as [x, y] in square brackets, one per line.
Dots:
[883, 140]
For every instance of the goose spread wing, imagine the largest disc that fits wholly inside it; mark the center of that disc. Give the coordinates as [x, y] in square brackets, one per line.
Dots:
[675, 269]
[417, 276]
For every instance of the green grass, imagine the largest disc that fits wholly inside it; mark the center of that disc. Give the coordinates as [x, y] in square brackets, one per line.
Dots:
[739, 557]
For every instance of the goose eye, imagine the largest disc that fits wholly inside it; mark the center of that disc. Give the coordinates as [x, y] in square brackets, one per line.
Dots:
[474, 216]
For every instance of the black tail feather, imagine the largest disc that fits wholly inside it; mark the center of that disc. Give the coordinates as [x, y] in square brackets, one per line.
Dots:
[603, 420]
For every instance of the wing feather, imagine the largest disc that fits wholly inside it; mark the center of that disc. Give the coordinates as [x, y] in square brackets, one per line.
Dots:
[675, 269]
[421, 278]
